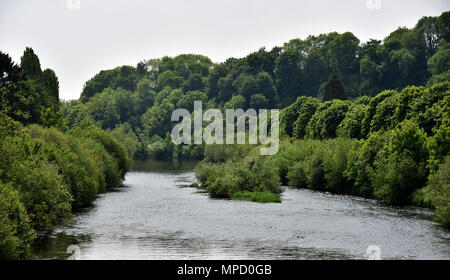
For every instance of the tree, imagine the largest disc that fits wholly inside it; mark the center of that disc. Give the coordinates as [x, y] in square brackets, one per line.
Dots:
[325, 121]
[334, 89]
[51, 83]
[401, 167]
[236, 102]
[306, 110]
[194, 82]
[350, 127]
[30, 64]
[146, 95]
[125, 77]
[266, 87]
[14, 96]
[16, 233]
[169, 78]
[258, 101]
[288, 71]
[156, 120]
[437, 191]
[439, 65]
[187, 100]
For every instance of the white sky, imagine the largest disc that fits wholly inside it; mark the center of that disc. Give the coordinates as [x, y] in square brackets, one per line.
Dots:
[103, 34]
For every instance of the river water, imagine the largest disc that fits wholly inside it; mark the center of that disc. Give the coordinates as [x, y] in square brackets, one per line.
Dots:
[153, 217]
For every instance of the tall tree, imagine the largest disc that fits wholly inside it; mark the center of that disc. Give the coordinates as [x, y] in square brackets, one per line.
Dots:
[30, 64]
[51, 83]
[334, 89]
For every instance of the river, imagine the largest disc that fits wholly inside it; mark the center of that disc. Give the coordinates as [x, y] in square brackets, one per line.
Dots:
[153, 217]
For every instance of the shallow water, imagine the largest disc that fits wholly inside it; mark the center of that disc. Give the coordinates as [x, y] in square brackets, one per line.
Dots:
[152, 217]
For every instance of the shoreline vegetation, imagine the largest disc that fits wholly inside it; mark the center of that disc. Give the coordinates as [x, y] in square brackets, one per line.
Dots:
[369, 119]
[401, 156]
[47, 170]
[47, 175]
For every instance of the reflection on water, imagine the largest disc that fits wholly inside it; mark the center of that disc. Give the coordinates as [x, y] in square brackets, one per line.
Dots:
[151, 217]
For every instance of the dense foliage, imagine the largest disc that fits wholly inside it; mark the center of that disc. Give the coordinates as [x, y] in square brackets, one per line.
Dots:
[402, 158]
[47, 171]
[327, 67]
[368, 119]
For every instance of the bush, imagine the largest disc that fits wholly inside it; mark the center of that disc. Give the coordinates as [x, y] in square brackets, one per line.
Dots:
[16, 233]
[205, 171]
[297, 115]
[335, 163]
[73, 163]
[431, 108]
[350, 127]
[262, 197]
[401, 166]
[161, 148]
[109, 142]
[41, 188]
[289, 155]
[125, 135]
[360, 163]
[327, 118]
[372, 109]
[224, 179]
[439, 146]
[383, 119]
[109, 175]
[305, 112]
[319, 165]
[296, 175]
[438, 190]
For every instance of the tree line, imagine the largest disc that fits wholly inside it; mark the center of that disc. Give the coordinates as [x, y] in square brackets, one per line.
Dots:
[47, 171]
[137, 101]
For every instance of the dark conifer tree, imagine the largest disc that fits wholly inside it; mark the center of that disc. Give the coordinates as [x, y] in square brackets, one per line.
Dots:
[30, 64]
[334, 89]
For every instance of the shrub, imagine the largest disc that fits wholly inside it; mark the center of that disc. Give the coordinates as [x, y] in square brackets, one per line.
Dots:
[290, 154]
[335, 163]
[383, 119]
[109, 142]
[205, 171]
[401, 166]
[125, 135]
[16, 233]
[431, 108]
[438, 190]
[371, 110]
[161, 148]
[72, 162]
[298, 112]
[41, 188]
[327, 118]
[224, 179]
[262, 197]
[439, 145]
[360, 163]
[305, 112]
[264, 176]
[350, 127]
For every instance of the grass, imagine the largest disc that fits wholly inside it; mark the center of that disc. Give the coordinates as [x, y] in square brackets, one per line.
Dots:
[263, 197]
[193, 185]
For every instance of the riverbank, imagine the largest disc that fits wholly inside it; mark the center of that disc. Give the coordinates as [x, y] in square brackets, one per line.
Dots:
[46, 174]
[372, 168]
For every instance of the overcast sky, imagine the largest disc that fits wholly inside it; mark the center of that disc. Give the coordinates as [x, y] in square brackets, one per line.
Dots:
[103, 34]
